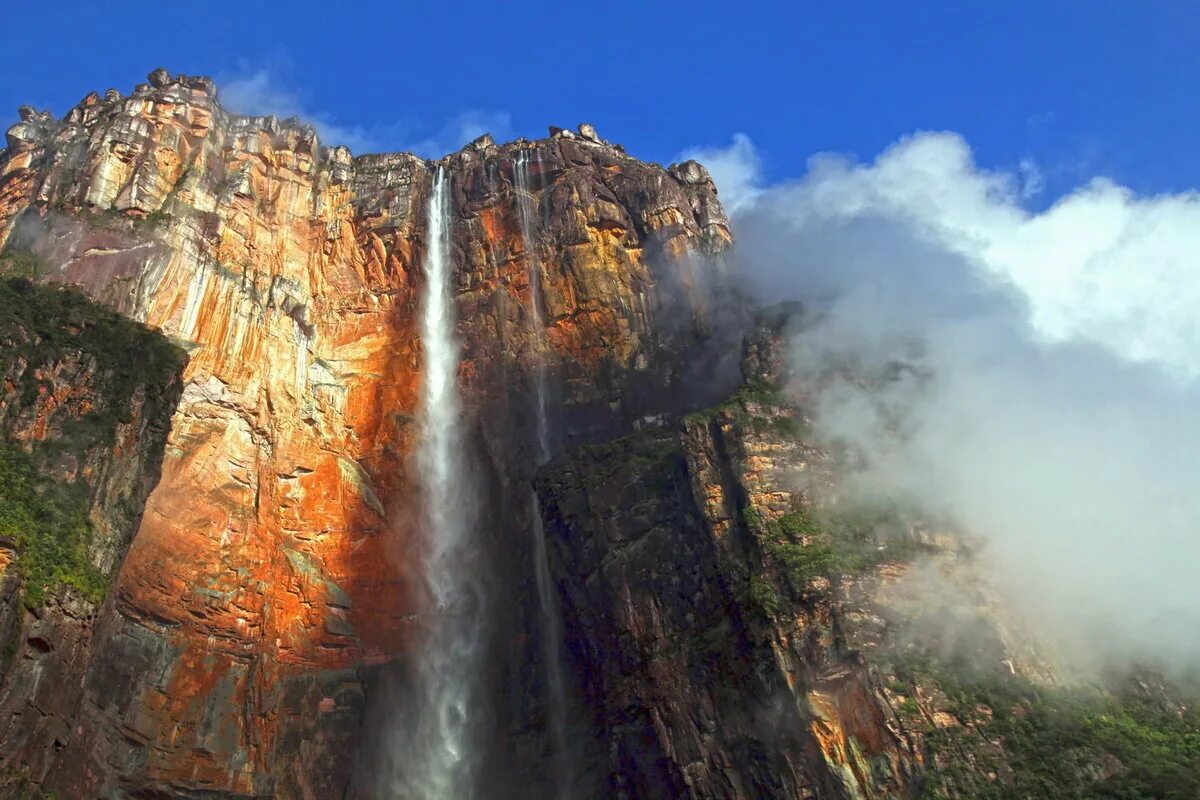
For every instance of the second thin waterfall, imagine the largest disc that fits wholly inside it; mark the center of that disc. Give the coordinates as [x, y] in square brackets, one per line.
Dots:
[556, 694]
[435, 750]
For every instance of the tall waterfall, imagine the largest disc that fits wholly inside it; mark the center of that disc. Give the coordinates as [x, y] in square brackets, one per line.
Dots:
[437, 741]
[551, 638]
[525, 213]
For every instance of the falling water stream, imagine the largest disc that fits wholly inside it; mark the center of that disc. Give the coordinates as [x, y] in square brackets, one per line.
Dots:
[556, 694]
[525, 213]
[437, 749]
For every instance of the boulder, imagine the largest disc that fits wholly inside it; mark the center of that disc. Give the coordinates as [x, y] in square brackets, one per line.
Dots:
[159, 78]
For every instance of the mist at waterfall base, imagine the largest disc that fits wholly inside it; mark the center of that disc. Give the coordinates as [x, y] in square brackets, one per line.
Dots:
[1031, 376]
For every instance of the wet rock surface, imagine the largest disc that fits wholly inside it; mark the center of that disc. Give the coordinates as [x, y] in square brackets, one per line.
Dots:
[710, 669]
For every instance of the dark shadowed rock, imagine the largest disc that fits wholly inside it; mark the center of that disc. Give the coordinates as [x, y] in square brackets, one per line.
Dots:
[159, 78]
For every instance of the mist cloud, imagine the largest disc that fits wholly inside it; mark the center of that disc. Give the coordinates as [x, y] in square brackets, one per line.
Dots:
[1049, 401]
[261, 93]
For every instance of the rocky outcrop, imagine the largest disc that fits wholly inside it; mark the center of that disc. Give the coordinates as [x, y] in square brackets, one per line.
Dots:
[264, 594]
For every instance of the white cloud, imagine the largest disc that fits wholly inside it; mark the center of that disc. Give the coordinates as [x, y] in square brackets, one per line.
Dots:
[1053, 407]
[260, 92]
[736, 170]
[1101, 264]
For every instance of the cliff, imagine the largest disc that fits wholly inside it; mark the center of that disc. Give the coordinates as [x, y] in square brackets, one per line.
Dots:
[265, 588]
[209, 585]
[86, 402]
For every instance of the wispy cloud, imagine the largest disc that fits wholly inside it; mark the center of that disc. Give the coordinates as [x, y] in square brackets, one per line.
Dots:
[262, 92]
[464, 127]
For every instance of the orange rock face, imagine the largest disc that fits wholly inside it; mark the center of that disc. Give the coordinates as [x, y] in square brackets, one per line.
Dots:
[268, 574]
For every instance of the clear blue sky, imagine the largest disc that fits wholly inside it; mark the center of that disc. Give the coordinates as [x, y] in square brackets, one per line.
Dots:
[1083, 88]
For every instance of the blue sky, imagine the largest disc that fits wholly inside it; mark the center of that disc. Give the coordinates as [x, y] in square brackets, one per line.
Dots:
[1081, 88]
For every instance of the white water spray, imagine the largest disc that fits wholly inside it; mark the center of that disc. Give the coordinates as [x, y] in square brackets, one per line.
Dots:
[556, 694]
[436, 746]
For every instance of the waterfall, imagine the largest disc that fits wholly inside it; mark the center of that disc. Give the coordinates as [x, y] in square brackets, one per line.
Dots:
[556, 694]
[435, 746]
[525, 214]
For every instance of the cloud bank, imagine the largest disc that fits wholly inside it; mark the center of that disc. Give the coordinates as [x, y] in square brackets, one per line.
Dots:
[1032, 377]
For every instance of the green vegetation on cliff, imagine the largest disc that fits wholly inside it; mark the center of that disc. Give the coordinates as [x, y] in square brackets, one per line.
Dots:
[807, 546]
[762, 407]
[795, 543]
[1037, 743]
[16, 785]
[115, 362]
[807, 542]
[47, 523]
[19, 264]
[38, 324]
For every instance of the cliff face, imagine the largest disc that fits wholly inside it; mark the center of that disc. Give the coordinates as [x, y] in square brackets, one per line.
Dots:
[265, 583]
[85, 405]
[700, 604]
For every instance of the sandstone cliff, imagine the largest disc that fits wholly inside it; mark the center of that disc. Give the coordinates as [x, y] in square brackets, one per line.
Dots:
[699, 597]
[265, 584]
